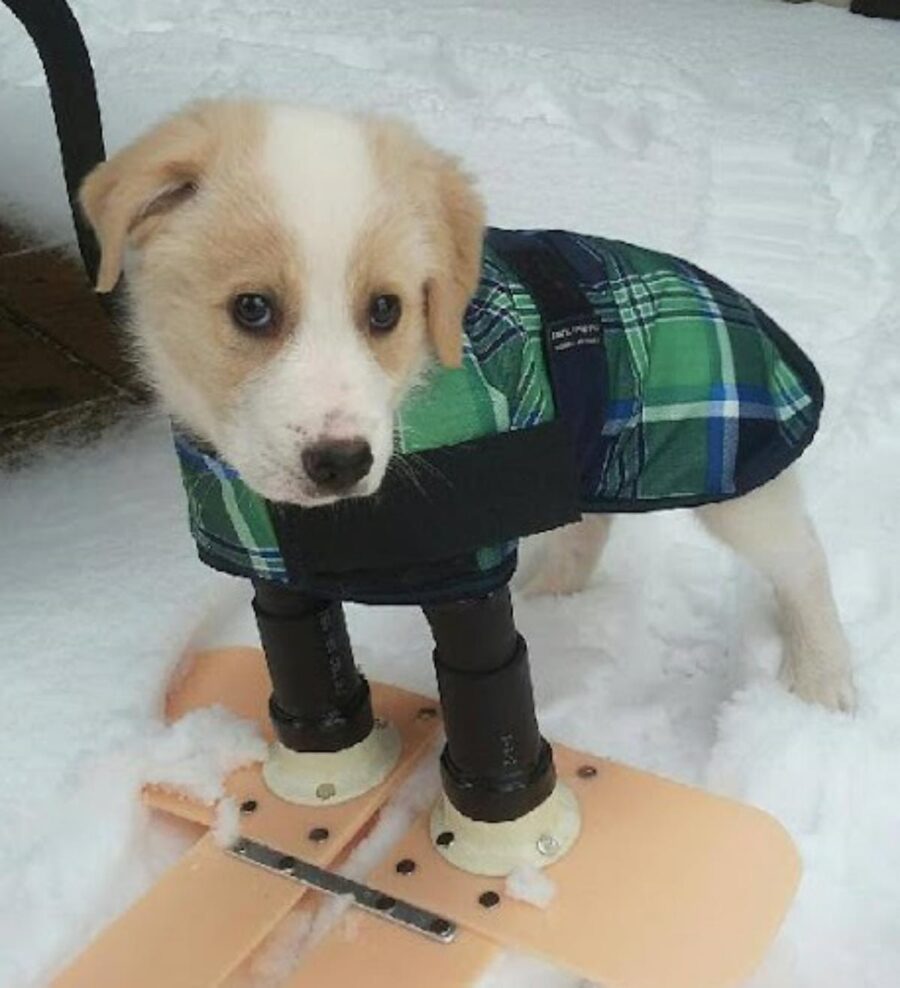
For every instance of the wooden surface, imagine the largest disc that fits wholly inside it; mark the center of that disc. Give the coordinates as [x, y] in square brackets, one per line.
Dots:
[63, 369]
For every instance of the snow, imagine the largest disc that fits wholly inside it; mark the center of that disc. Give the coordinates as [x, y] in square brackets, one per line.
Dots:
[227, 823]
[276, 957]
[283, 949]
[529, 884]
[758, 138]
[196, 753]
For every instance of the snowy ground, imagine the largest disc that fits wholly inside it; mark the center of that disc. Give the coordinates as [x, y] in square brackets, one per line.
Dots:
[758, 138]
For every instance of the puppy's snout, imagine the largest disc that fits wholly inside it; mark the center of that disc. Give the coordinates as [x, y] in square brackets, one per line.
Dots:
[336, 465]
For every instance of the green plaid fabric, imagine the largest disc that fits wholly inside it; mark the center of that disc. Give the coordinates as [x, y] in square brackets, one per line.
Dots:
[503, 383]
[702, 387]
[230, 522]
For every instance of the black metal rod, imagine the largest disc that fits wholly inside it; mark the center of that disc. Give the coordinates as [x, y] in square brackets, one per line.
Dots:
[73, 95]
[320, 701]
[495, 766]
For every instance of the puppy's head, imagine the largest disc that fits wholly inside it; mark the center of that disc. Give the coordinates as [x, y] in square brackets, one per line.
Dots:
[293, 268]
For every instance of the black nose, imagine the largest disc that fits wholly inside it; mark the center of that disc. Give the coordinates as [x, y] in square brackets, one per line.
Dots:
[337, 464]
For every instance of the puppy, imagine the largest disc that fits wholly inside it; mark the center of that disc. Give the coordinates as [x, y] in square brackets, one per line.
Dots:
[294, 273]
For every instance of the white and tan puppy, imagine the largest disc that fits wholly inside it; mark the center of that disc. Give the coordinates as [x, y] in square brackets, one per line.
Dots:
[292, 270]
[290, 265]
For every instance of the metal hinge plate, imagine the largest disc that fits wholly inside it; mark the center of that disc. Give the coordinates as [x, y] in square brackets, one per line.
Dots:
[378, 903]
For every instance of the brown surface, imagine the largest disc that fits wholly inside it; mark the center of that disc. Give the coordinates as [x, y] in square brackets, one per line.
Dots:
[9, 241]
[62, 367]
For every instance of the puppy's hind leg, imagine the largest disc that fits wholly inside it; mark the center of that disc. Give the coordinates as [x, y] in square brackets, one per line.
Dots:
[569, 557]
[770, 529]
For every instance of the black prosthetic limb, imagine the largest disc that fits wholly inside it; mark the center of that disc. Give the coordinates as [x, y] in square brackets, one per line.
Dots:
[495, 766]
[320, 701]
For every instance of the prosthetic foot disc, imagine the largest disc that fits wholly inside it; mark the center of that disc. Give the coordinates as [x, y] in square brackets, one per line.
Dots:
[537, 839]
[314, 778]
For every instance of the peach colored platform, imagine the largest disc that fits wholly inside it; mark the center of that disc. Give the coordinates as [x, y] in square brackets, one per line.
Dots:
[210, 911]
[667, 886]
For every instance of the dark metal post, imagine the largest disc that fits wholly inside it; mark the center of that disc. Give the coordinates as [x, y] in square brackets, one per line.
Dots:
[73, 95]
[495, 765]
[320, 701]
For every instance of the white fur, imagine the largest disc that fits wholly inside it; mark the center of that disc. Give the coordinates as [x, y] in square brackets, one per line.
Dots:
[326, 384]
[770, 529]
[321, 175]
[173, 384]
[569, 557]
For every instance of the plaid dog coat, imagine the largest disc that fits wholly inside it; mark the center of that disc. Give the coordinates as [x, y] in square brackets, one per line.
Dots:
[597, 376]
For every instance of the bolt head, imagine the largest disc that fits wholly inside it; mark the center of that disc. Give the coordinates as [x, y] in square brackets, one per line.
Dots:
[249, 806]
[318, 834]
[445, 838]
[326, 790]
[489, 899]
[406, 866]
[548, 845]
[586, 772]
[441, 926]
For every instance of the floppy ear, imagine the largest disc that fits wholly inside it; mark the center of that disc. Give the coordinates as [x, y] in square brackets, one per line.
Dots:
[126, 197]
[459, 233]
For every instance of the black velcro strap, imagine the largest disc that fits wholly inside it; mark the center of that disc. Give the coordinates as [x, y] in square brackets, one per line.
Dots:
[439, 504]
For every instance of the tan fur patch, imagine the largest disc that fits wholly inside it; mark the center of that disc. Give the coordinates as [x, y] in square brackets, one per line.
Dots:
[459, 240]
[195, 256]
[387, 260]
[429, 189]
[119, 194]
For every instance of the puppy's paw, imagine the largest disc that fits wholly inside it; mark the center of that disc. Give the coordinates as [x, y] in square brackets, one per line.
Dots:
[829, 684]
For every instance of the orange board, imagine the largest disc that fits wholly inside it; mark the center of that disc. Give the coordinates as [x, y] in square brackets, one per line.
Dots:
[210, 911]
[666, 885]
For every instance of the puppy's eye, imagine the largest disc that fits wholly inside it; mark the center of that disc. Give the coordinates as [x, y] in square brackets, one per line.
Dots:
[253, 312]
[384, 313]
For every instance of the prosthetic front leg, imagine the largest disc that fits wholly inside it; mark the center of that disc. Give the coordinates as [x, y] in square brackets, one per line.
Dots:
[502, 804]
[330, 748]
